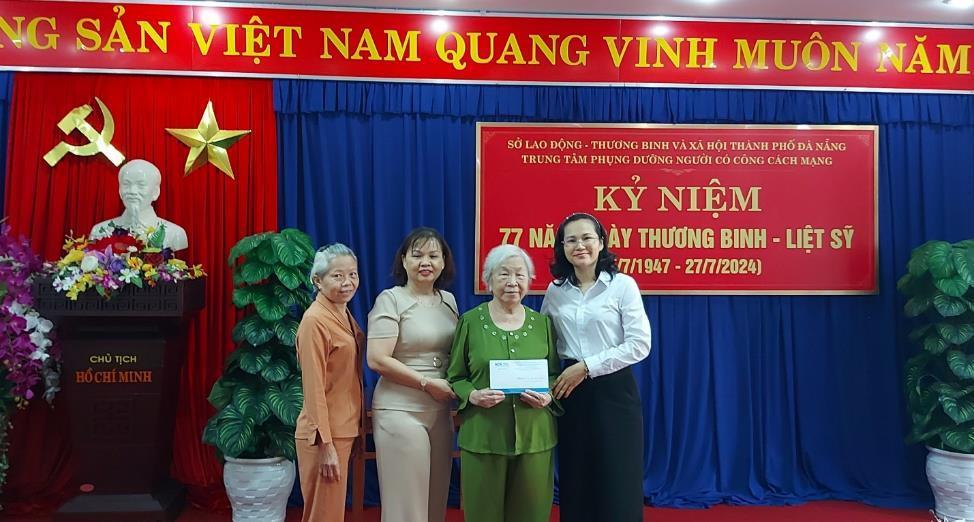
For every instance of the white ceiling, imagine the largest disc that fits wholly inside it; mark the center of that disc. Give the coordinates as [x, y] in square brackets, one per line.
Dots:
[918, 11]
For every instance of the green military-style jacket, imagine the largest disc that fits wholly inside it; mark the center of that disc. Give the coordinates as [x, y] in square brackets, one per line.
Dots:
[511, 427]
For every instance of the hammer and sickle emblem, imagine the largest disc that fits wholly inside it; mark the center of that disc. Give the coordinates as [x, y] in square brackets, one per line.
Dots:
[98, 142]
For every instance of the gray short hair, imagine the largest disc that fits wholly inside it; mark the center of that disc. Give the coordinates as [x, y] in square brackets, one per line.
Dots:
[500, 253]
[326, 255]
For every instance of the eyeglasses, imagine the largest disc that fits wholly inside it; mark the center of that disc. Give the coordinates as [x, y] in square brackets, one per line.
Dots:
[573, 242]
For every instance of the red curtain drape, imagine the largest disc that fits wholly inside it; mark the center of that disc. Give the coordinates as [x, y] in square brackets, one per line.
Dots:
[47, 203]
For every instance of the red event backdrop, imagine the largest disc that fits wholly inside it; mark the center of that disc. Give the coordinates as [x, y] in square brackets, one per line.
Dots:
[363, 44]
[46, 203]
[714, 209]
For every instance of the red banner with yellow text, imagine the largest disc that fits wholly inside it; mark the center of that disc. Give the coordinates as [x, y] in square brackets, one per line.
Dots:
[358, 44]
[706, 209]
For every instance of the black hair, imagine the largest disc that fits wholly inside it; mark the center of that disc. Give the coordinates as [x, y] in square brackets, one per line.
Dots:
[562, 270]
[418, 237]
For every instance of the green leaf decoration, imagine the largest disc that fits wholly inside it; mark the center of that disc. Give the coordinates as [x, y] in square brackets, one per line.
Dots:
[276, 370]
[245, 246]
[285, 399]
[220, 394]
[951, 390]
[290, 277]
[959, 438]
[939, 260]
[254, 359]
[158, 238]
[235, 431]
[287, 297]
[960, 410]
[919, 332]
[246, 398]
[905, 284]
[935, 344]
[253, 271]
[211, 434]
[964, 264]
[920, 434]
[265, 253]
[267, 305]
[244, 296]
[254, 330]
[259, 395]
[956, 333]
[960, 364]
[949, 306]
[301, 239]
[954, 286]
[917, 265]
[291, 254]
[280, 440]
[286, 331]
[917, 305]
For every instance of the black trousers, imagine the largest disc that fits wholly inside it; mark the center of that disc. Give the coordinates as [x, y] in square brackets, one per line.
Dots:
[600, 451]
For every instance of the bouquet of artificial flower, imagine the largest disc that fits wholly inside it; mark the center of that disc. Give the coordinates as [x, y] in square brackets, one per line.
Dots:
[25, 337]
[120, 259]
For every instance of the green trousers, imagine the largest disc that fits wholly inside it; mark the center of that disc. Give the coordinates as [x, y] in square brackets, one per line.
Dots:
[501, 488]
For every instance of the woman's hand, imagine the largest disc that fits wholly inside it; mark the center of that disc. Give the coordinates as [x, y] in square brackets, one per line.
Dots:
[486, 398]
[569, 379]
[535, 399]
[329, 467]
[440, 390]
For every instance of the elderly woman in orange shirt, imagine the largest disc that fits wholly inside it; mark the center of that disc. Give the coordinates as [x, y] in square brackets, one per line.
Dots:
[329, 345]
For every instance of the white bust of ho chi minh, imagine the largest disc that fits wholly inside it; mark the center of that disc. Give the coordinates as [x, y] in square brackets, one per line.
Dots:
[138, 186]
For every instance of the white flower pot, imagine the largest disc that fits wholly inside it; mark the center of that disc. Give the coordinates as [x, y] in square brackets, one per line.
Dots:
[951, 477]
[258, 488]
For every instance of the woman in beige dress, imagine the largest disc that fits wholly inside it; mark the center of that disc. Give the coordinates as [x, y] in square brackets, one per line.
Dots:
[409, 337]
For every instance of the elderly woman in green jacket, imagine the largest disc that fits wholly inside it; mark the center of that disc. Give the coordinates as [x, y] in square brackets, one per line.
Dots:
[506, 440]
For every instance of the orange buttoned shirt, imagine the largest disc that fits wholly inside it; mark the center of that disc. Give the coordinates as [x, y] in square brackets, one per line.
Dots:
[330, 353]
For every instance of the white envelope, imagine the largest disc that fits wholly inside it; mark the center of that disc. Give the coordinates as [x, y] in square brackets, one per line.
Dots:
[516, 376]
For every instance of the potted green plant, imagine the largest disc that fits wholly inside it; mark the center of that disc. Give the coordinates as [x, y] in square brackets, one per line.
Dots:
[259, 395]
[940, 379]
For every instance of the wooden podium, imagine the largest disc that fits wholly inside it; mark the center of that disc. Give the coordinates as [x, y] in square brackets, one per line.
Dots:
[120, 380]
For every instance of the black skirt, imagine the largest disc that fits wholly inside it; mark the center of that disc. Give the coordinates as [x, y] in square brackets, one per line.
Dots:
[600, 451]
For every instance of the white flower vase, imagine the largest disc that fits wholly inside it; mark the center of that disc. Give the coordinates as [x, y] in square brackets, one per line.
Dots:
[951, 477]
[258, 488]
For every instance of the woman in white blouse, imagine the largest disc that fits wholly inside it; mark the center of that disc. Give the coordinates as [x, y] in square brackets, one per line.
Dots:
[602, 330]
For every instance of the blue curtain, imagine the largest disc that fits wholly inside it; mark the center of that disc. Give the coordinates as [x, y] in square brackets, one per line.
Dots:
[6, 89]
[748, 400]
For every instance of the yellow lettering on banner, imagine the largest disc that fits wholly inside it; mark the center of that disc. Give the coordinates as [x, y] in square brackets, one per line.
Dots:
[118, 35]
[367, 44]
[201, 43]
[538, 43]
[34, 37]
[160, 40]
[512, 49]
[401, 46]
[341, 44]
[957, 63]
[746, 55]
[896, 60]
[581, 57]
[614, 51]
[288, 41]
[13, 35]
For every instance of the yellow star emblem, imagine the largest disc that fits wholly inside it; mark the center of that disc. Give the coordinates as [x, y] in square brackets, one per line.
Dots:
[208, 143]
